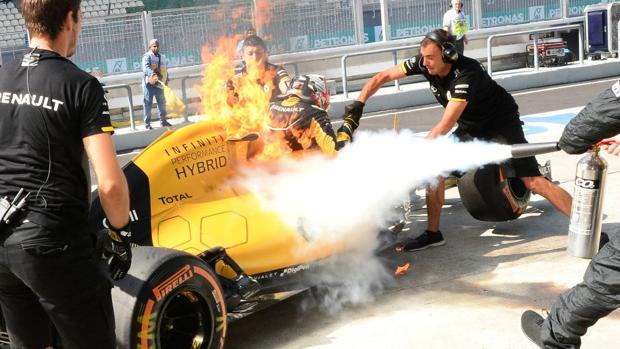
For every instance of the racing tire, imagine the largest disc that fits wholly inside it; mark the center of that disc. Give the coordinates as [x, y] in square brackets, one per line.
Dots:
[489, 196]
[169, 299]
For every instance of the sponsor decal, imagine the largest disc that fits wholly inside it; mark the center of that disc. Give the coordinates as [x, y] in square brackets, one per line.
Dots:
[461, 86]
[174, 198]
[200, 167]
[193, 145]
[460, 91]
[44, 102]
[174, 281]
[294, 270]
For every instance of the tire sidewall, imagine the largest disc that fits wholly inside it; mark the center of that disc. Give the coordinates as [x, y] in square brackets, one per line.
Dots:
[178, 273]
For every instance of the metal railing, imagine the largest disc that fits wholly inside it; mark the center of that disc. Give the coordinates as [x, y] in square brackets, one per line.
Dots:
[535, 51]
[345, 57]
[132, 121]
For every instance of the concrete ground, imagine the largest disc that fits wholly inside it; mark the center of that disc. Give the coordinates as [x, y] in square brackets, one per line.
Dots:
[469, 293]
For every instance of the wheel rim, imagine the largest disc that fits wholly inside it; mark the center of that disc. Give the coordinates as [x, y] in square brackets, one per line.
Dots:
[186, 321]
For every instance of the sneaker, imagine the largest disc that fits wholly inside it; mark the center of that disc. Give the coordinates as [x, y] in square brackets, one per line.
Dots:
[165, 123]
[148, 127]
[422, 242]
[531, 325]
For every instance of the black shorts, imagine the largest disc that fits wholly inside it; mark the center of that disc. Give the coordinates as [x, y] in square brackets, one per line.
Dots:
[511, 133]
[45, 283]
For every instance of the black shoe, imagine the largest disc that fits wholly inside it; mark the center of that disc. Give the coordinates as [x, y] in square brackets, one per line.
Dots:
[165, 123]
[148, 127]
[531, 324]
[422, 242]
[603, 240]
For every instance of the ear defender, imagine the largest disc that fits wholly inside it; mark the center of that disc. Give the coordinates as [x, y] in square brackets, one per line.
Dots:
[448, 50]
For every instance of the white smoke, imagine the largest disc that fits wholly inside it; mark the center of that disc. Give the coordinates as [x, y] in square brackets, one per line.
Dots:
[352, 196]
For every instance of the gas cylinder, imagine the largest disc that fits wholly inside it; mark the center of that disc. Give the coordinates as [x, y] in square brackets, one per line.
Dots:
[584, 231]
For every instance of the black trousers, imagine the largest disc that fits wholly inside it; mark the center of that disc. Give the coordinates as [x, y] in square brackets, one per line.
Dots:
[47, 282]
[581, 306]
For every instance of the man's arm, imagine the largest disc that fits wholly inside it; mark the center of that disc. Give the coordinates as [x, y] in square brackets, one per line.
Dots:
[146, 65]
[371, 87]
[113, 190]
[453, 112]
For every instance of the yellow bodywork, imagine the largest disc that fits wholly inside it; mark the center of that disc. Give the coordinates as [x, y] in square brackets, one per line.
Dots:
[195, 205]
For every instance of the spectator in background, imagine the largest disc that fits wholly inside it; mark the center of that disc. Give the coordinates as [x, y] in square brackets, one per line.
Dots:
[239, 50]
[455, 23]
[155, 69]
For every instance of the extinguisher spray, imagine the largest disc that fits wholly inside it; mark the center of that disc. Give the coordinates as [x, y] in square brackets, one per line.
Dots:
[584, 231]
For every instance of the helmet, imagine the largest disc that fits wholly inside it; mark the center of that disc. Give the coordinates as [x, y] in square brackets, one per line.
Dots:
[311, 86]
[454, 2]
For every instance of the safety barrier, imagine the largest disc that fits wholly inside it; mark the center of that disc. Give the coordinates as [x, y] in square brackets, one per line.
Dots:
[535, 32]
[129, 100]
[344, 59]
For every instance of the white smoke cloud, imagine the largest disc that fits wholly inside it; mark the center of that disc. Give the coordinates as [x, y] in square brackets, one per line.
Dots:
[352, 195]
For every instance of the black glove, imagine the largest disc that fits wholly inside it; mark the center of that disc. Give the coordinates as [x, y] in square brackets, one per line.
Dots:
[117, 251]
[352, 116]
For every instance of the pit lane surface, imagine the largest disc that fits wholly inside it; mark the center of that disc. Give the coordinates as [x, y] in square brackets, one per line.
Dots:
[471, 292]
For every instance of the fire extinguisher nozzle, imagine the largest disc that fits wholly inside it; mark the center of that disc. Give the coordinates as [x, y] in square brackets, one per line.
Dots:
[530, 149]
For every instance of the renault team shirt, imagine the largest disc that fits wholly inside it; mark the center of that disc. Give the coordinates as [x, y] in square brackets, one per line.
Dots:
[489, 105]
[66, 104]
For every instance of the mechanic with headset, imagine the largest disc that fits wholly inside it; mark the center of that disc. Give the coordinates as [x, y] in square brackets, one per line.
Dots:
[300, 117]
[477, 105]
[51, 115]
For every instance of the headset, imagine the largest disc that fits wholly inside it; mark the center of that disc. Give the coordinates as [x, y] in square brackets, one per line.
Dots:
[448, 49]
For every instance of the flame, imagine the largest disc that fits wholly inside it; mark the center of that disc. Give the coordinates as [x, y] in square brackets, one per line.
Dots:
[401, 269]
[238, 104]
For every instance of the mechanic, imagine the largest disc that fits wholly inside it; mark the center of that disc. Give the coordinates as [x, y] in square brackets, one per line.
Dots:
[52, 114]
[155, 69]
[301, 113]
[477, 105]
[273, 78]
[599, 294]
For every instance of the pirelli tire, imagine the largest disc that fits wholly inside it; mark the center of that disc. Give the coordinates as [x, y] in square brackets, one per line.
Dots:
[489, 196]
[169, 299]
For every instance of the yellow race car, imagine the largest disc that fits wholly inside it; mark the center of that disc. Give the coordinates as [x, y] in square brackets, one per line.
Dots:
[207, 253]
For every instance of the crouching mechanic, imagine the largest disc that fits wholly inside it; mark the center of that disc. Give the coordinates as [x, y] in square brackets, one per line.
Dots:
[301, 114]
[477, 105]
[53, 115]
[599, 294]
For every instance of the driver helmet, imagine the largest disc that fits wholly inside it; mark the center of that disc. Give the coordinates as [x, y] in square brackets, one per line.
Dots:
[311, 86]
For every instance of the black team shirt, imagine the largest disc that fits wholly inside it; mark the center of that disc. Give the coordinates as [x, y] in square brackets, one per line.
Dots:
[71, 104]
[489, 106]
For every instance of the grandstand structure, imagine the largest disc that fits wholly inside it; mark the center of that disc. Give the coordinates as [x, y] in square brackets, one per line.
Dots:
[13, 29]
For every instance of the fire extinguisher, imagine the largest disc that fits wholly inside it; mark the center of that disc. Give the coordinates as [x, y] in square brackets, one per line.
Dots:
[584, 231]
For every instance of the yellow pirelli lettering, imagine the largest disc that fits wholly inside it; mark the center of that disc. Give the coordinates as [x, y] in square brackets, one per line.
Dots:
[107, 129]
[458, 100]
